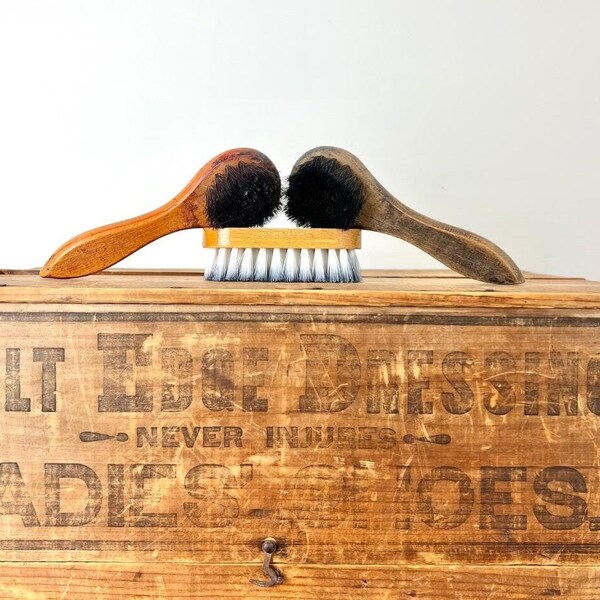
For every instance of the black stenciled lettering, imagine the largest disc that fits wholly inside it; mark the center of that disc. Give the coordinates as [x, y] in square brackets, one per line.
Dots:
[502, 400]
[190, 436]
[387, 435]
[382, 382]
[254, 378]
[555, 476]
[147, 435]
[140, 495]
[12, 484]
[447, 510]
[491, 497]
[13, 401]
[306, 437]
[287, 436]
[116, 495]
[269, 436]
[563, 383]
[209, 484]
[593, 384]
[417, 383]
[367, 437]
[55, 516]
[210, 437]
[454, 367]
[169, 437]
[49, 357]
[346, 437]
[177, 366]
[118, 372]
[232, 436]
[217, 379]
[532, 383]
[332, 373]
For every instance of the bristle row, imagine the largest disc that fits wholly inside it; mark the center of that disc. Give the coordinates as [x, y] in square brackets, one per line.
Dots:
[289, 265]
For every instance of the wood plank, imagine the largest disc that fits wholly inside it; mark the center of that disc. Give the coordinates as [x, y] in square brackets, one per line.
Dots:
[338, 417]
[392, 273]
[376, 292]
[176, 581]
[445, 449]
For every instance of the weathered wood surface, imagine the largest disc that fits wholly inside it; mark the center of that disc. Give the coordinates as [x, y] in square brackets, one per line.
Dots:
[114, 581]
[433, 452]
[117, 287]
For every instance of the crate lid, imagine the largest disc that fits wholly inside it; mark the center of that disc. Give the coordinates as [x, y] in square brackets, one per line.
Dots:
[385, 288]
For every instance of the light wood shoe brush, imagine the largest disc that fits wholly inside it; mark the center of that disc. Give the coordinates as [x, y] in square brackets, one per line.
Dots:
[330, 187]
[237, 188]
[283, 255]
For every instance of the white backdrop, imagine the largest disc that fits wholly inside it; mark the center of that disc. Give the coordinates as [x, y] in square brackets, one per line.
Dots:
[481, 113]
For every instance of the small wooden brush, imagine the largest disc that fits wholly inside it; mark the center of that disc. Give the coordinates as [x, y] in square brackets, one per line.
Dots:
[240, 187]
[290, 255]
[330, 187]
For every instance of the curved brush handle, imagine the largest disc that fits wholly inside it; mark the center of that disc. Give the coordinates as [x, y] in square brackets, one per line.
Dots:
[463, 251]
[102, 247]
[467, 253]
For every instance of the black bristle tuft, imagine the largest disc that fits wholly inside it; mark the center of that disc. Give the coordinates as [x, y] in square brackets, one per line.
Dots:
[324, 193]
[246, 195]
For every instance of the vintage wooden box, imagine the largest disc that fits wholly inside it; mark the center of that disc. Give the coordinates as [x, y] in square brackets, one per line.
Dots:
[419, 435]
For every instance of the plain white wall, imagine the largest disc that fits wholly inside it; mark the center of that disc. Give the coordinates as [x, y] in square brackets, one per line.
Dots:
[481, 113]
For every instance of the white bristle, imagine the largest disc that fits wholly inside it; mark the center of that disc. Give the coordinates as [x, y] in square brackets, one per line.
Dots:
[346, 272]
[355, 265]
[238, 264]
[246, 272]
[233, 267]
[261, 267]
[209, 271]
[291, 266]
[219, 268]
[319, 263]
[276, 266]
[333, 267]
[305, 273]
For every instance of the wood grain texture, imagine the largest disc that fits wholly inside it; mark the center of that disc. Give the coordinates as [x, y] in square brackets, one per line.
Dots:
[244, 237]
[102, 247]
[429, 451]
[463, 251]
[113, 581]
[393, 273]
[385, 291]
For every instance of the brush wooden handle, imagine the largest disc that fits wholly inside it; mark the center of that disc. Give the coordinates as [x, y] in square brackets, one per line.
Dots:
[463, 251]
[241, 173]
[467, 253]
[102, 247]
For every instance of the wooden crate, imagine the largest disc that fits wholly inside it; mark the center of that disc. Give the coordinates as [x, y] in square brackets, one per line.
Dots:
[419, 435]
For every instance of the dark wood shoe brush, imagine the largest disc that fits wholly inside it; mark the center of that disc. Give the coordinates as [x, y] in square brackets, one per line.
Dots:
[331, 188]
[237, 188]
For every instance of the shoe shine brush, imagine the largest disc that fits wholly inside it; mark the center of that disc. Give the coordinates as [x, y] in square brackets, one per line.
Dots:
[330, 187]
[238, 188]
[288, 255]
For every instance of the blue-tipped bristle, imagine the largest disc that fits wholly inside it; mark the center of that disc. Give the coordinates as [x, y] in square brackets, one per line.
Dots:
[284, 265]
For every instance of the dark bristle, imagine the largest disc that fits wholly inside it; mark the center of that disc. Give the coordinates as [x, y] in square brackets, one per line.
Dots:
[246, 195]
[324, 193]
